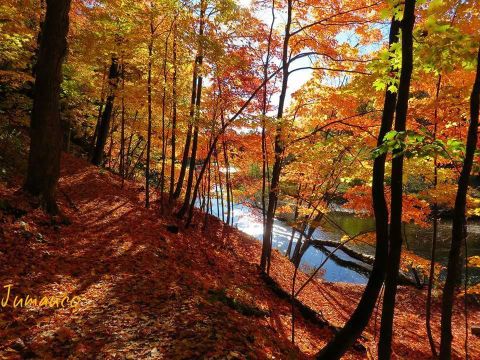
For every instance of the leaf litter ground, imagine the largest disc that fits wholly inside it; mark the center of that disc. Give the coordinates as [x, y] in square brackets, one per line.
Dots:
[147, 293]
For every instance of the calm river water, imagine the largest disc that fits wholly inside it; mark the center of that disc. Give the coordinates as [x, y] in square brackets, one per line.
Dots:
[249, 220]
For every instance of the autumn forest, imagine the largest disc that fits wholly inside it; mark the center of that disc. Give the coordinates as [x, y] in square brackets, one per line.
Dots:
[249, 179]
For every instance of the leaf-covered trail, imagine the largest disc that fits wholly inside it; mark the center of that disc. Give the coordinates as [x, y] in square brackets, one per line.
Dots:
[148, 293]
[145, 292]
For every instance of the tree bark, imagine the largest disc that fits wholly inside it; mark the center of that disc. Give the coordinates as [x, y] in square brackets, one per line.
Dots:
[279, 148]
[346, 337]
[265, 171]
[195, 119]
[45, 130]
[164, 140]
[149, 108]
[104, 126]
[122, 131]
[428, 304]
[193, 110]
[395, 251]
[174, 114]
[99, 116]
[459, 226]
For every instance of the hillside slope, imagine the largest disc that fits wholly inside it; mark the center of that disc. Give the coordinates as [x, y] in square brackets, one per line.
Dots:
[145, 292]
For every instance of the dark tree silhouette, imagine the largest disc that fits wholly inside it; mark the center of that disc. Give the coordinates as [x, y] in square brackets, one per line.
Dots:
[395, 250]
[360, 317]
[459, 226]
[45, 132]
[104, 125]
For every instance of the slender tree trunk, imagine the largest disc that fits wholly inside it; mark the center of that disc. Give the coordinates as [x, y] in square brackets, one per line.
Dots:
[195, 119]
[149, 110]
[216, 183]
[99, 116]
[428, 305]
[128, 153]
[361, 315]
[104, 127]
[395, 251]
[220, 183]
[459, 227]
[214, 144]
[164, 142]
[45, 130]
[209, 204]
[122, 133]
[193, 110]
[174, 114]
[265, 172]
[465, 298]
[279, 147]
[295, 217]
[227, 177]
[188, 139]
[131, 174]
[110, 146]
[191, 172]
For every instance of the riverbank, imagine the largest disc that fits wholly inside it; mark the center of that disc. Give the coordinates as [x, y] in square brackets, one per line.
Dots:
[147, 292]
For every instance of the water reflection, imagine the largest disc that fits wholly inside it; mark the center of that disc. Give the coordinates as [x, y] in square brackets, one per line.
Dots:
[249, 220]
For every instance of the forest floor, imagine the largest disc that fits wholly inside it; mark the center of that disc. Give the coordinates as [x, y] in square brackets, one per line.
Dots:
[147, 293]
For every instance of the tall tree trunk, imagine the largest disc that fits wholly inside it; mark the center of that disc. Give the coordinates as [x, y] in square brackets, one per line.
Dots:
[164, 140]
[188, 138]
[459, 226]
[122, 132]
[395, 251]
[428, 304]
[195, 118]
[104, 126]
[174, 114]
[45, 130]
[265, 172]
[149, 109]
[279, 147]
[361, 315]
[193, 110]
[99, 116]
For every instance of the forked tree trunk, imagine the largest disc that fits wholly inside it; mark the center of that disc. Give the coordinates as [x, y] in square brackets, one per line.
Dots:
[188, 139]
[361, 315]
[195, 118]
[193, 102]
[395, 251]
[459, 226]
[45, 130]
[104, 126]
